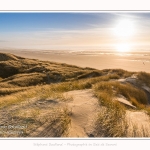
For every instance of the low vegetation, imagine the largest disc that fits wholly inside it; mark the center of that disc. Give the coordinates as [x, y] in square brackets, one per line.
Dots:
[112, 119]
[114, 88]
[144, 78]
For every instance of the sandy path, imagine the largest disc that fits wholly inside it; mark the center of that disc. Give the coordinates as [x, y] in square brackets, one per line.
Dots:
[84, 109]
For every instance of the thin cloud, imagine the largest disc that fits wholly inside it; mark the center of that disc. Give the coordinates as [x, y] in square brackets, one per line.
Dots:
[3, 41]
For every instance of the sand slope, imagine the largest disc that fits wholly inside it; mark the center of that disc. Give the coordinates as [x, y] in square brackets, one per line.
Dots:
[138, 121]
[84, 108]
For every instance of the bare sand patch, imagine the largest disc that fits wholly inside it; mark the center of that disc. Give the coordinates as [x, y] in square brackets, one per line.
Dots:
[124, 101]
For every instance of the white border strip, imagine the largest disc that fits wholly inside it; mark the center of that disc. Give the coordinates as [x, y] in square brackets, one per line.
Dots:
[74, 5]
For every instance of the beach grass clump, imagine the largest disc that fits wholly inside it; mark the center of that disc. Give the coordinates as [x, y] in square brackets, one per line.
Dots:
[111, 122]
[56, 123]
[122, 73]
[65, 121]
[144, 78]
[137, 104]
[15, 98]
[111, 119]
[8, 91]
[115, 88]
[130, 92]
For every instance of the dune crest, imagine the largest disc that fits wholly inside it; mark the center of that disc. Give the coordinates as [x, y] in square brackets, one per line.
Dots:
[6, 57]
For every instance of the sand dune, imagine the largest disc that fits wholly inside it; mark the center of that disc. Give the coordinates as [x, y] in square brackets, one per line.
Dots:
[72, 106]
[5, 57]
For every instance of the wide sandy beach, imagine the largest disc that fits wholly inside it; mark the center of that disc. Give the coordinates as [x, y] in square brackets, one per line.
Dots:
[94, 59]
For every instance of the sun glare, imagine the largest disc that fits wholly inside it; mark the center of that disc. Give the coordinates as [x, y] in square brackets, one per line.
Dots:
[123, 47]
[124, 31]
[124, 28]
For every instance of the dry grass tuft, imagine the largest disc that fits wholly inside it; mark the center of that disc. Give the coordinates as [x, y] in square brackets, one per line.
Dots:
[127, 90]
[144, 78]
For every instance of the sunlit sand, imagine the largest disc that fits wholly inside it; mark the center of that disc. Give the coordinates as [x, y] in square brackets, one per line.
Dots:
[135, 61]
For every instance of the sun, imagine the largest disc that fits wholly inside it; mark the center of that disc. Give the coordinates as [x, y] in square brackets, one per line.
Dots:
[124, 32]
[124, 28]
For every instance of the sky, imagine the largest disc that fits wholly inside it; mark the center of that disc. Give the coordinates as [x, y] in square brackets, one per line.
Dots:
[122, 31]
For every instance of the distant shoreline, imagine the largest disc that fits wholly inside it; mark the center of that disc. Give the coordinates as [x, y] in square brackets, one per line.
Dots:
[130, 61]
